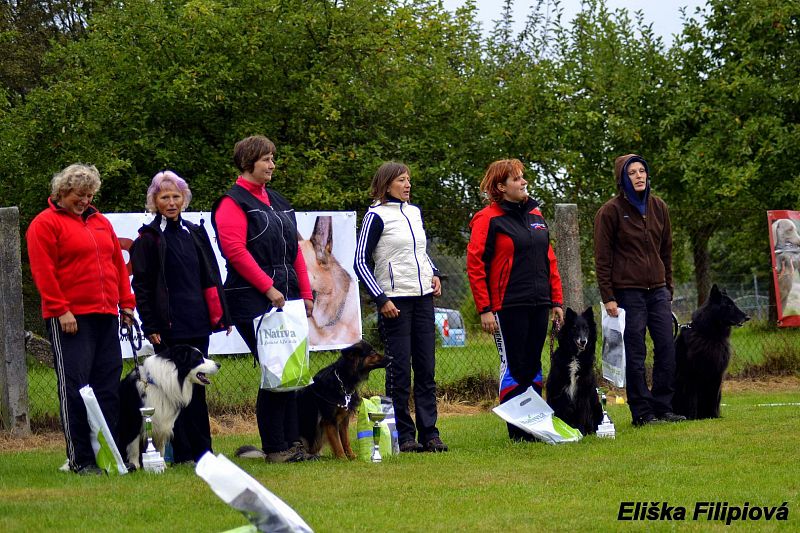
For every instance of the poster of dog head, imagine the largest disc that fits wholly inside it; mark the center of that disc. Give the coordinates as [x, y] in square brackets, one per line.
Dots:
[784, 238]
[328, 243]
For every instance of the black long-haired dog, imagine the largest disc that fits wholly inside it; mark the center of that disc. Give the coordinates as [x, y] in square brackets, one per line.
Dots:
[571, 385]
[702, 354]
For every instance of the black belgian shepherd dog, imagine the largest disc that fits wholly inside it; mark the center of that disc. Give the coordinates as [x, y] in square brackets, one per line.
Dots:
[571, 385]
[702, 354]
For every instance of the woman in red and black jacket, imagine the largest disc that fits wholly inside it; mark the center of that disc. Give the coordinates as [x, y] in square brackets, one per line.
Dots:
[514, 278]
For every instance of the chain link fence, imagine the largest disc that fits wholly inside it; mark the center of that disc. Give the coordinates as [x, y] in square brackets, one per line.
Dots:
[466, 357]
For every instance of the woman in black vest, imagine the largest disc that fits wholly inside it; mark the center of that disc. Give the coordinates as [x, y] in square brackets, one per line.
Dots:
[179, 295]
[257, 235]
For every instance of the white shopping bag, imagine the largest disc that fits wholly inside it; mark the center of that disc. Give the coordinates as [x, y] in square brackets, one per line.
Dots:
[530, 412]
[282, 342]
[263, 509]
[614, 347]
[105, 449]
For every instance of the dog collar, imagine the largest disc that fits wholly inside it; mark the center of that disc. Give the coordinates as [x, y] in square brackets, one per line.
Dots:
[347, 397]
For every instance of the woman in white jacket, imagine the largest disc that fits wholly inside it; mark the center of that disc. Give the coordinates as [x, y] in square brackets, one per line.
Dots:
[392, 263]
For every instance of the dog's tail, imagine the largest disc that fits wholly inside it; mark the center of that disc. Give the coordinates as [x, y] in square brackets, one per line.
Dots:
[250, 452]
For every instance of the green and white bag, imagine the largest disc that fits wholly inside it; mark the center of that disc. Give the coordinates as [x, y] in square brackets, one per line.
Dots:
[530, 412]
[105, 449]
[282, 342]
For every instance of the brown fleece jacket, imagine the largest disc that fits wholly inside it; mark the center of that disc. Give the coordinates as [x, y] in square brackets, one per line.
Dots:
[632, 251]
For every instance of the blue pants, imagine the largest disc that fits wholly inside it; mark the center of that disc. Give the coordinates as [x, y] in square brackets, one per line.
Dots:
[92, 356]
[410, 340]
[651, 310]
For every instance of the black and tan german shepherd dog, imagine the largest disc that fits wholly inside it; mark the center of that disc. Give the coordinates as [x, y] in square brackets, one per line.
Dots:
[326, 406]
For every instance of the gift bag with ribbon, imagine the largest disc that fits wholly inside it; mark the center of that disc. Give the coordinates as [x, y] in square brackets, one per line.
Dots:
[388, 444]
[282, 342]
[614, 347]
[106, 453]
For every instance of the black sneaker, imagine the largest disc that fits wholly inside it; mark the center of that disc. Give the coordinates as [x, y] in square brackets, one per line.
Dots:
[89, 470]
[435, 445]
[645, 420]
[411, 446]
[669, 416]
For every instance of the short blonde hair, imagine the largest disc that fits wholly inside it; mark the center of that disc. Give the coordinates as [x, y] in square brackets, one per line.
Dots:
[77, 177]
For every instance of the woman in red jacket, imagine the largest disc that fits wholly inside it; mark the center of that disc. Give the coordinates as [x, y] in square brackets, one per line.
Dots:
[77, 265]
[514, 278]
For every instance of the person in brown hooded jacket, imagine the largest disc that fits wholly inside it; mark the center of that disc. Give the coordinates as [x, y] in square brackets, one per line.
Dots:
[633, 262]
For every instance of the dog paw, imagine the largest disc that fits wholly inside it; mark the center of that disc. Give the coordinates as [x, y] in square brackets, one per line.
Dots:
[250, 452]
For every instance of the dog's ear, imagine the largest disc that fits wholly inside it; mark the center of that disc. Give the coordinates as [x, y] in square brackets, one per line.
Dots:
[715, 294]
[589, 315]
[570, 315]
[322, 238]
[356, 350]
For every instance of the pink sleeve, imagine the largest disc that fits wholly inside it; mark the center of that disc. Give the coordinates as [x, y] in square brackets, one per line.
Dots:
[302, 276]
[232, 232]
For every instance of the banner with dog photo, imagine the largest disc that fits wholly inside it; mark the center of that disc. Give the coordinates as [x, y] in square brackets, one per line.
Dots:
[328, 243]
[784, 238]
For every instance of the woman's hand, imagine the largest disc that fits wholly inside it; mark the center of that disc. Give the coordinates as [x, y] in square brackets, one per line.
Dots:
[611, 308]
[127, 316]
[68, 323]
[488, 322]
[388, 310]
[309, 307]
[558, 315]
[436, 284]
[154, 338]
[276, 297]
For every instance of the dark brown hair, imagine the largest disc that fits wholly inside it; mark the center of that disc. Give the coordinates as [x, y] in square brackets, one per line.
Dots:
[247, 151]
[497, 173]
[384, 176]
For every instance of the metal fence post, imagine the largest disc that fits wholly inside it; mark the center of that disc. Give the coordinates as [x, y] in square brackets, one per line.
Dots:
[13, 371]
[568, 253]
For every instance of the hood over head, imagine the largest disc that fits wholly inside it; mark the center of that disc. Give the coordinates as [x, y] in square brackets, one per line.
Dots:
[624, 184]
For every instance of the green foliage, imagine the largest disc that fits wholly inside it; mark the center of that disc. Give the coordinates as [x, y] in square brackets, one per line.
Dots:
[139, 86]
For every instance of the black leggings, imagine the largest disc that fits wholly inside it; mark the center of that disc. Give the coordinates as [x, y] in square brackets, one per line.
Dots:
[520, 340]
[276, 412]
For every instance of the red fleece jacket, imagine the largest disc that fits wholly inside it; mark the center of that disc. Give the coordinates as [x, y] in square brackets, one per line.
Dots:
[77, 264]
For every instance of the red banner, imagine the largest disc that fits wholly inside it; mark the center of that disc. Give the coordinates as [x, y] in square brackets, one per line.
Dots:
[784, 240]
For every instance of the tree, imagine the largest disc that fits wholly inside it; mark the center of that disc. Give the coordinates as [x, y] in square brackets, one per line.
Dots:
[732, 138]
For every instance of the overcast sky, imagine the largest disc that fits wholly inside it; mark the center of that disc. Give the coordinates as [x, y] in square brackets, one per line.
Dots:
[663, 14]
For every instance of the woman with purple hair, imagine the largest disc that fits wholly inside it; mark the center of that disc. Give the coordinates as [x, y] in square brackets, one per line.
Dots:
[178, 286]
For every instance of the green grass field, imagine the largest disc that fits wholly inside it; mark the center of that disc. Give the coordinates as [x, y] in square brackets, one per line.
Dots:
[485, 483]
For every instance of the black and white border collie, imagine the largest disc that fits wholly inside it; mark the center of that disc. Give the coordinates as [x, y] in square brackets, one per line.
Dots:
[164, 381]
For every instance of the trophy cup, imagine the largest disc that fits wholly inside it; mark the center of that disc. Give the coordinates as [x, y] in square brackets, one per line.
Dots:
[151, 458]
[376, 435]
[606, 428]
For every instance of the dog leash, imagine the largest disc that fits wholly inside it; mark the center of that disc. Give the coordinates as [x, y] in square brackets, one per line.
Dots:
[133, 334]
[556, 327]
